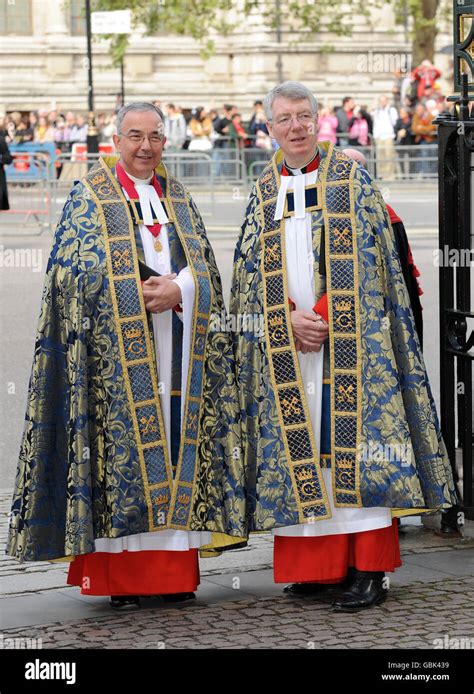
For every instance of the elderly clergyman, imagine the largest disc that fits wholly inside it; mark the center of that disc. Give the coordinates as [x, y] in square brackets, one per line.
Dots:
[130, 460]
[339, 430]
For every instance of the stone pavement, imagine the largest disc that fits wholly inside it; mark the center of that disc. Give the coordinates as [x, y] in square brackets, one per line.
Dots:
[239, 606]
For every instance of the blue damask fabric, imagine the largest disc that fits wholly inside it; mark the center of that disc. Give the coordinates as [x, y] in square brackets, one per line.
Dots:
[385, 441]
[80, 475]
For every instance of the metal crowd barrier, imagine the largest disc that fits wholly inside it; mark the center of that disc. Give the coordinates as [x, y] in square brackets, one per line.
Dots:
[29, 191]
[39, 197]
[404, 163]
[68, 171]
[206, 168]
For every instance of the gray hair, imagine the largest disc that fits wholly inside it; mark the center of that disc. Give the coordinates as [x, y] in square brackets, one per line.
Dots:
[137, 106]
[289, 90]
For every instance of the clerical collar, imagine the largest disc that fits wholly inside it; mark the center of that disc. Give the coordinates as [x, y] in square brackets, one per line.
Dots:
[144, 202]
[287, 170]
[296, 195]
[140, 181]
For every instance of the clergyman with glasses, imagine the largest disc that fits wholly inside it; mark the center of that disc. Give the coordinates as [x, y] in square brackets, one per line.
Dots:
[130, 459]
[339, 429]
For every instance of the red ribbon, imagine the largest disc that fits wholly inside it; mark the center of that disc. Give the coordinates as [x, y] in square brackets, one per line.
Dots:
[129, 187]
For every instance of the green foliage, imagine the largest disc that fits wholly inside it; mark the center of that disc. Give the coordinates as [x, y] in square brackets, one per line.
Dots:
[202, 19]
[195, 18]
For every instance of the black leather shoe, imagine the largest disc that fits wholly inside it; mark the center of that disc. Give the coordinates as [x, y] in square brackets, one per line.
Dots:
[178, 597]
[349, 579]
[313, 589]
[309, 589]
[366, 591]
[124, 602]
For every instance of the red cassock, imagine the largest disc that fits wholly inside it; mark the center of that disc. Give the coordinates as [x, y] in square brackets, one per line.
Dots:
[149, 572]
[326, 558]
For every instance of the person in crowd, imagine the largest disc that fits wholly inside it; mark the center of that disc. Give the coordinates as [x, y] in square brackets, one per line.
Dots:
[344, 115]
[5, 159]
[70, 119]
[425, 76]
[33, 119]
[223, 143]
[214, 116]
[51, 117]
[24, 132]
[13, 123]
[43, 131]
[237, 132]
[425, 135]
[257, 123]
[385, 117]
[175, 129]
[200, 127]
[79, 130]
[405, 140]
[358, 129]
[327, 125]
[106, 126]
[222, 126]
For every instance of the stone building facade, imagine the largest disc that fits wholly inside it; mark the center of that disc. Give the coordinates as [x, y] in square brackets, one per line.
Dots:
[43, 61]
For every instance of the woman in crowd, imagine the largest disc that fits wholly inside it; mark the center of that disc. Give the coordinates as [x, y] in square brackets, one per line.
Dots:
[43, 132]
[200, 128]
[327, 125]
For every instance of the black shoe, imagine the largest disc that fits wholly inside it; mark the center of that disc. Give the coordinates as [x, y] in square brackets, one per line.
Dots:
[366, 591]
[124, 602]
[349, 579]
[177, 597]
[308, 589]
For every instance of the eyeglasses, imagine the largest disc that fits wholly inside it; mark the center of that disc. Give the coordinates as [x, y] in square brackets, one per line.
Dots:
[302, 118]
[138, 138]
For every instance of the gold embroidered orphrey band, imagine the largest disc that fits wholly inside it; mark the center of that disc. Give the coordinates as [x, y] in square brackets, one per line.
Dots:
[169, 501]
[335, 185]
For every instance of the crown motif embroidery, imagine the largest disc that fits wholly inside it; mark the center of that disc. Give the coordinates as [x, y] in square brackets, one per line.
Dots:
[160, 499]
[133, 333]
[276, 321]
[97, 179]
[304, 475]
[343, 305]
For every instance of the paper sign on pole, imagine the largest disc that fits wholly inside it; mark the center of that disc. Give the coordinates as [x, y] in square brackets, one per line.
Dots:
[116, 22]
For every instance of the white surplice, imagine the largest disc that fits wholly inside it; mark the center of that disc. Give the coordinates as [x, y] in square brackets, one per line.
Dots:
[300, 278]
[176, 540]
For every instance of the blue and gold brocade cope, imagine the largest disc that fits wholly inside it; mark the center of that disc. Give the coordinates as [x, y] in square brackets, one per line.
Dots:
[94, 460]
[380, 398]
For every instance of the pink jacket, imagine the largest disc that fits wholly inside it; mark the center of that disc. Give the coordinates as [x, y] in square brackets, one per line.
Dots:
[327, 129]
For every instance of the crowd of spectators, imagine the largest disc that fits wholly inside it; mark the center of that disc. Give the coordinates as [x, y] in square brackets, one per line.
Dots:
[398, 125]
[62, 129]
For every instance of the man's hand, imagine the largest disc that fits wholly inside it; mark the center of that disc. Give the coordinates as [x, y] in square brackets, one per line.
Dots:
[309, 331]
[161, 293]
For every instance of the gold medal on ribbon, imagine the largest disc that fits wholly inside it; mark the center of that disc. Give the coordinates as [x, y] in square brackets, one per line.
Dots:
[158, 245]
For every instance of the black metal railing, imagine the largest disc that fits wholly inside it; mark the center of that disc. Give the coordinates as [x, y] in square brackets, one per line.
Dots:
[456, 213]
